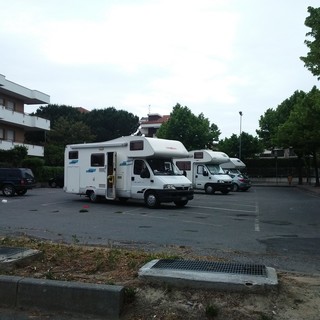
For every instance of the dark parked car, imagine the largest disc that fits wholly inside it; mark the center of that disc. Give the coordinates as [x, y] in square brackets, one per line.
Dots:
[57, 181]
[240, 182]
[16, 180]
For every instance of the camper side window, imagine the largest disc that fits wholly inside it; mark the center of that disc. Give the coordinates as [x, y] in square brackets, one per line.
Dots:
[184, 165]
[97, 160]
[73, 155]
[139, 165]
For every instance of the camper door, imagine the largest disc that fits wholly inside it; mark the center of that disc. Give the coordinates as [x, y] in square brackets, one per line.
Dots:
[111, 175]
[200, 175]
[140, 178]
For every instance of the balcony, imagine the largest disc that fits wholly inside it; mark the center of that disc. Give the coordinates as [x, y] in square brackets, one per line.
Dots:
[23, 120]
[33, 150]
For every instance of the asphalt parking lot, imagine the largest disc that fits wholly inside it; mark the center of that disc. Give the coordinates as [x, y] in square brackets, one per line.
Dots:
[267, 225]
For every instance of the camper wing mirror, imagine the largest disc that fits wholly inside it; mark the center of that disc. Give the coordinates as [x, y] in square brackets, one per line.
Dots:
[205, 173]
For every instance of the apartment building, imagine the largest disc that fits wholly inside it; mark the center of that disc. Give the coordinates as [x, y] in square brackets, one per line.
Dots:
[150, 125]
[14, 122]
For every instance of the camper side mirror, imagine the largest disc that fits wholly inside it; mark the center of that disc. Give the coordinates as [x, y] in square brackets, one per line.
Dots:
[145, 173]
[205, 173]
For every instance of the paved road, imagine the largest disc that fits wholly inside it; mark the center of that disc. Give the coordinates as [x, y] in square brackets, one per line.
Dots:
[276, 226]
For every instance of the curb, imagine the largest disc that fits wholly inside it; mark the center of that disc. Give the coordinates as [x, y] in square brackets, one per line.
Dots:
[62, 296]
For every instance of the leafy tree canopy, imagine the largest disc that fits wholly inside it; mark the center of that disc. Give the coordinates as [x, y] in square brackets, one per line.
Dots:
[109, 123]
[272, 119]
[312, 60]
[251, 146]
[68, 132]
[302, 130]
[195, 132]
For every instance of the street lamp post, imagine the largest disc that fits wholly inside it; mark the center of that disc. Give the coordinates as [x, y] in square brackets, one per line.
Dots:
[240, 112]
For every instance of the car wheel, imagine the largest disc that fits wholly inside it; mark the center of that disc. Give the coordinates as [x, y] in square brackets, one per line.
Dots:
[235, 187]
[181, 203]
[53, 184]
[8, 190]
[209, 189]
[151, 200]
[21, 192]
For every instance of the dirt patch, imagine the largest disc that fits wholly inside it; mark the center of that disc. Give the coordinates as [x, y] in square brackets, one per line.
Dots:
[296, 297]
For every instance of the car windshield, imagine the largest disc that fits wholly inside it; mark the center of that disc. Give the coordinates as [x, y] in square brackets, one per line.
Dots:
[162, 167]
[215, 169]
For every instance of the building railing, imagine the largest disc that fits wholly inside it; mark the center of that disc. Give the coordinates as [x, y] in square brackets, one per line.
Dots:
[23, 119]
[33, 150]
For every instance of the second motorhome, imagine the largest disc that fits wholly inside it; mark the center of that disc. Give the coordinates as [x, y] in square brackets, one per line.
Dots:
[130, 167]
[203, 169]
[235, 165]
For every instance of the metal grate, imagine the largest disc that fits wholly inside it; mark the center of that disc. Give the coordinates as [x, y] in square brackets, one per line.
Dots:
[206, 266]
[6, 252]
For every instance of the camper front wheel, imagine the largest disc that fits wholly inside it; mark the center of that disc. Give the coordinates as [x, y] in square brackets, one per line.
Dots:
[209, 189]
[151, 200]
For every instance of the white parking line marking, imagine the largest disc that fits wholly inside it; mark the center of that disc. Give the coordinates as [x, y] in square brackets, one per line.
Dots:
[257, 219]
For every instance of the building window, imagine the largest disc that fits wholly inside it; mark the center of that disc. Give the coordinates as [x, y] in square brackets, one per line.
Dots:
[10, 105]
[10, 135]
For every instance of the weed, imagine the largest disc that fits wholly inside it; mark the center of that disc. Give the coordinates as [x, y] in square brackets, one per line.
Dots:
[212, 311]
[75, 239]
[129, 294]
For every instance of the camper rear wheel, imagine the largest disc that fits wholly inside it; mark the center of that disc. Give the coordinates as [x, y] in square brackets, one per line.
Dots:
[93, 196]
[151, 200]
[209, 189]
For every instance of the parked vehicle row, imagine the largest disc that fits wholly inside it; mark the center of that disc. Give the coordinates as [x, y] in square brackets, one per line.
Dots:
[134, 167]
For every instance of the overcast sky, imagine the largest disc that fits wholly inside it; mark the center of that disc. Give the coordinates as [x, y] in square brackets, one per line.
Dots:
[217, 57]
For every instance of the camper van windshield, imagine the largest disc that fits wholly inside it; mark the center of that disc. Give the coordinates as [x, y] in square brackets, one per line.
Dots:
[215, 169]
[162, 167]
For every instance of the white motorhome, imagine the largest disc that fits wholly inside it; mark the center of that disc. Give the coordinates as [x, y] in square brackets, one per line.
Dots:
[132, 167]
[203, 169]
[235, 165]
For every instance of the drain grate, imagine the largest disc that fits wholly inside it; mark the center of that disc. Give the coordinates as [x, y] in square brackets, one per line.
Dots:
[6, 252]
[206, 266]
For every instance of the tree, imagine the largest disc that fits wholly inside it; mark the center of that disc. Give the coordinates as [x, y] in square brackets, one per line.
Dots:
[302, 130]
[195, 132]
[250, 146]
[272, 119]
[312, 60]
[107, 124]
[64, 132]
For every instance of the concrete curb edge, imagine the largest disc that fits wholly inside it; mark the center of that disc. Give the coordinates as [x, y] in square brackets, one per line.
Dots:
[61, 296]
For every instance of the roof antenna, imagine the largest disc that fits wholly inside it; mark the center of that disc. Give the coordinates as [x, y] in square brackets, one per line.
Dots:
[149, 108]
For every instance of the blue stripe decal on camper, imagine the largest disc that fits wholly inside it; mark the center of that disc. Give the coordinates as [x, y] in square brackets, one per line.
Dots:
[73, 161]
[91, 170]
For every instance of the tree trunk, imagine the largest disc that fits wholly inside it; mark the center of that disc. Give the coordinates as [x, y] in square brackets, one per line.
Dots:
[315, 165]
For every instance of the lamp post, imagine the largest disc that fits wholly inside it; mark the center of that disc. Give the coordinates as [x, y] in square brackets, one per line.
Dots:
[240, 112]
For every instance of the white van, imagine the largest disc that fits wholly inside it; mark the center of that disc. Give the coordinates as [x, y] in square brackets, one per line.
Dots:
[130, 167]
[202, 167]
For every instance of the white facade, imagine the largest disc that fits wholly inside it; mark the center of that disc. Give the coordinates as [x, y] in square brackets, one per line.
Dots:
[14, 122]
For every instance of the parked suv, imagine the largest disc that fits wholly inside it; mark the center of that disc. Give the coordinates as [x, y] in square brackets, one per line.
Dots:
[16, 180]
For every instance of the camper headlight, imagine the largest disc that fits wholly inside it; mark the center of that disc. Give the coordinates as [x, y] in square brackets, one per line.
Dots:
[169, 186]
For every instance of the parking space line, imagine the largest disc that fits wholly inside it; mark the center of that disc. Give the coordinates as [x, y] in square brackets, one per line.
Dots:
[257, 219]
